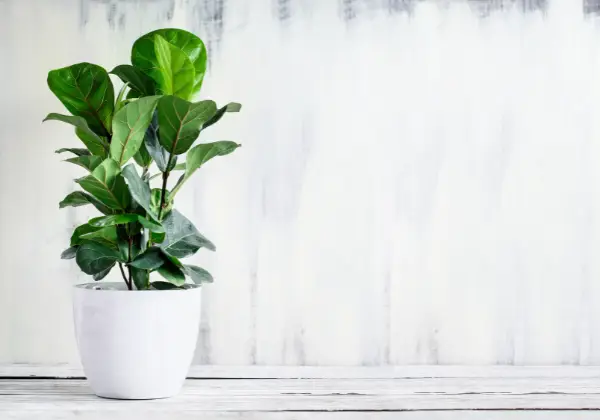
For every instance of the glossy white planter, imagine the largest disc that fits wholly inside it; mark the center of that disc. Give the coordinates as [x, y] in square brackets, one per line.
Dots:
[136, 344]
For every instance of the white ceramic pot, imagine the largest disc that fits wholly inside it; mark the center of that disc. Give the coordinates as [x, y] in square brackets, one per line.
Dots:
[136, 344]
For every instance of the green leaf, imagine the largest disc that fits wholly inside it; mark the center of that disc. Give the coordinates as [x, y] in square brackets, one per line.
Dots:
[99, 276]
[172, 273]
[106, 236]
[90, 142]
[93, 257]
[155, 150]
[175, 73]
[134, 94]
[140, 190]
[75, 151]
[150, 259]
[157, 238]
[107, 185]
[80, 231]
[144, 55]
[88, 162]
[121, 219]
[141, 278]
[136, 79]
[181, 236]
[86, 91]
[198, 274]
[97, 145]
[80, 198]
[129, 128]
[142, 157]
[120, 101]
[115, 219]
[230, 107]
[75, 199]
[69, 253]
[163, 285]
[200, 154]
[180, 122]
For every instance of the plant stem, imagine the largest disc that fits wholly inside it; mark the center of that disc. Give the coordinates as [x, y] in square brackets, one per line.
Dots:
[127, 282]
[163, 193]
[130, 284]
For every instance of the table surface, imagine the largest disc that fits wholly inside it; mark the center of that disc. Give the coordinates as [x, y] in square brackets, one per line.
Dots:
[512, 395]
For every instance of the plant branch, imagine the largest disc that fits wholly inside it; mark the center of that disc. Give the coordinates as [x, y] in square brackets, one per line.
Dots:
[127, 282]
[130, 240]
[163, 193]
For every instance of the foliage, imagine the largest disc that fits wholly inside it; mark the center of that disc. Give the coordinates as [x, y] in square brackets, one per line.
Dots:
[153, 120]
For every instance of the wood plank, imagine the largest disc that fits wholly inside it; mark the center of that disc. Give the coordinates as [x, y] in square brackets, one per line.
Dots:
[187, 415]
[266, 387]
[384, 372]
[315, 395]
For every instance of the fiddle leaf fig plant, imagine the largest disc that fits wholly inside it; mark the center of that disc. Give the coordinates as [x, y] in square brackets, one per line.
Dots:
[133, 141]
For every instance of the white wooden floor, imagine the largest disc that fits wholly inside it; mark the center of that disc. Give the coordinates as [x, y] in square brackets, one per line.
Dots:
[379, 394]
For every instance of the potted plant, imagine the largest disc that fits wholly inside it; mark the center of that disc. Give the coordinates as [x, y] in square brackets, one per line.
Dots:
[137, 338]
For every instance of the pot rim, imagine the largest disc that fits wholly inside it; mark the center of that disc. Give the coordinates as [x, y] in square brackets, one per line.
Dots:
[117, 287]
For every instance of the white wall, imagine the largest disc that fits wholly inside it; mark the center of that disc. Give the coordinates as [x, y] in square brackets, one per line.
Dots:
[415, 188]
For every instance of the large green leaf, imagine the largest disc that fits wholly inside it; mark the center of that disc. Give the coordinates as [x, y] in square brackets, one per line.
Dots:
[140, 190]
[97, 145]
[129, 128]
[200, 154]
[105, 235]
[176, 70]
[99, 276]
[166, 64]
[143, 54]
[93, 257]
[75, 151]
[107, 185]
[80, 231]
[198, 274]
[150, 259]
[86, 91]
[172, 273]
[136, 78]
[141, 278]
[80, 198]
[88, 162]
[122, 219]
[181, 236]
[180, 122]
[230, 107]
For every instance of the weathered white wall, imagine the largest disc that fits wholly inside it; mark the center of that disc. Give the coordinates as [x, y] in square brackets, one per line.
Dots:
[413, 188]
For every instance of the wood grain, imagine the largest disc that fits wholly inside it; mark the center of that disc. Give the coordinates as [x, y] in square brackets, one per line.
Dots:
[416, 398]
